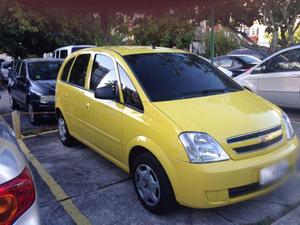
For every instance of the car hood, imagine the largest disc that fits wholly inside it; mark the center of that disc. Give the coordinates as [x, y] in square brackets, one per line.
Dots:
[44, 87]
[223, 116]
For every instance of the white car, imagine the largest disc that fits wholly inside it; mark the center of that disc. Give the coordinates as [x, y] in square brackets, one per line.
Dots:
[63, 52]
[277, 78]
[5, 67]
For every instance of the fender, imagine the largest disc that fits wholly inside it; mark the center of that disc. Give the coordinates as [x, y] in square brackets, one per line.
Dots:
[156, 150]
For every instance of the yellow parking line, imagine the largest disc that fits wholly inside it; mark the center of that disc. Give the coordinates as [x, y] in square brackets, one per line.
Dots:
[55, 188]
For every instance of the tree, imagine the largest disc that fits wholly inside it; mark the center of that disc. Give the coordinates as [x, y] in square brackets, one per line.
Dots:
[282, 18]
[226, 41]
[170, 30]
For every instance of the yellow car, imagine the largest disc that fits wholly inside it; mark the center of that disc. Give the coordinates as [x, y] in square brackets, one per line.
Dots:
[186, 133]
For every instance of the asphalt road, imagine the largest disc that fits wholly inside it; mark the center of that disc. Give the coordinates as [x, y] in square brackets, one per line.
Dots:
[104, 194]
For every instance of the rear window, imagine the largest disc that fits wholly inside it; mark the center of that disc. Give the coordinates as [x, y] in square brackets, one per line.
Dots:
[170, 76]
[46, 70]
[249, 59]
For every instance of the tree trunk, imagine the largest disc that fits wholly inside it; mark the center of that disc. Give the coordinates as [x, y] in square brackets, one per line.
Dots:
[274, 45]
[291, 36]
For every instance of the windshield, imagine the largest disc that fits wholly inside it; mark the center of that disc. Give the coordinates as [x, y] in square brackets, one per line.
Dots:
[170, 76]
[47, 70]
[250, 59]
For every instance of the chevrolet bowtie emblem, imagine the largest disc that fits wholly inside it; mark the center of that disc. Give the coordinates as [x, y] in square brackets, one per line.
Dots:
[269, 137]
[265, 138]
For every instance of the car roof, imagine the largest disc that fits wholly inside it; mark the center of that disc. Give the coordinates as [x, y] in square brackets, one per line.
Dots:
[132, 50]
[42, 60]
[12, 161]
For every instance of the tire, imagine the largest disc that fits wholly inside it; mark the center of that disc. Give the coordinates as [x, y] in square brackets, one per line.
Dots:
[64, 135]
[152, 184]
[34, 118]
[14, 105]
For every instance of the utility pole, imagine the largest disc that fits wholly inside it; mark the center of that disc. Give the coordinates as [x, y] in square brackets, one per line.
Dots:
[212, 34]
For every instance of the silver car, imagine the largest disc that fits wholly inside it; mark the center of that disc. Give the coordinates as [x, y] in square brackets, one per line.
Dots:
[18, 197]
[5, 67]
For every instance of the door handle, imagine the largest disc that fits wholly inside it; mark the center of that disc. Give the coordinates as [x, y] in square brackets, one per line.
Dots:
[65, 95]
[87, 106]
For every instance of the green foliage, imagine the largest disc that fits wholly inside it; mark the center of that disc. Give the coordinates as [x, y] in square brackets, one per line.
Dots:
[25, 32]
[167, 31]
[226, 41]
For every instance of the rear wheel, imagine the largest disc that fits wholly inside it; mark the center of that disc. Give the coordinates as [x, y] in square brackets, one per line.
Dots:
[152, 184]
[64, 135]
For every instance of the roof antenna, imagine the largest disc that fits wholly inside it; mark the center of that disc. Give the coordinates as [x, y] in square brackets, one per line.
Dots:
[153, 45]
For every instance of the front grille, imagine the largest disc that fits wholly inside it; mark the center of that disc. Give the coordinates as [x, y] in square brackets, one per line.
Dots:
[260, 140]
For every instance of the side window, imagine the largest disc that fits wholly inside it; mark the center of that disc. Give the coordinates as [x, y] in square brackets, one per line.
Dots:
[63, 54]
[226, 62]
[284, 62]
[79, 69]
[237, 63]
[131, 96]
[103, 73]
[66, 70]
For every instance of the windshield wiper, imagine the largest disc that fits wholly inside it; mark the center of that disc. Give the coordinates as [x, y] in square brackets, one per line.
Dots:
[210, 91]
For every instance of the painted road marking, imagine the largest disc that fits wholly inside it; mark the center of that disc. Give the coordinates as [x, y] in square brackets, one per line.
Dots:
[55, 188]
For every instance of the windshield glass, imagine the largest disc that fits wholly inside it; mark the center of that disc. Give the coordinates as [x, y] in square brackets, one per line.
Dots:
[250, 59]
[46, 70]
[170, 76]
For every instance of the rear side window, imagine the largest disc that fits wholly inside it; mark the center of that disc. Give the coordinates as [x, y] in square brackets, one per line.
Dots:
[284, 62]
[66, 70]
[79, 70]
[130, 95]
[63, 54]
[103, 73]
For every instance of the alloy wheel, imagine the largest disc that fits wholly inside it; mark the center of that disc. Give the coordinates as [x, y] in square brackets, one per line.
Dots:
[62, 129]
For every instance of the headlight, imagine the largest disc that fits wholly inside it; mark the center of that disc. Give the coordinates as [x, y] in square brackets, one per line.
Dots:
[202, 148]
[288, 126]
[47, 98]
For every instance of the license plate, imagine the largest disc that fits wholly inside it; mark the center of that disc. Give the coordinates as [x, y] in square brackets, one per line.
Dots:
[273, 173]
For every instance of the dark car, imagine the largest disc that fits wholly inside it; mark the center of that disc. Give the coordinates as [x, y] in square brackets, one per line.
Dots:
[245, 51]
[33, 87]
[237, 64]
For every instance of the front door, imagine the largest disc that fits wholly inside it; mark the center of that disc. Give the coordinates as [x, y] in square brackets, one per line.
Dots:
[280, 83]
[103, 118]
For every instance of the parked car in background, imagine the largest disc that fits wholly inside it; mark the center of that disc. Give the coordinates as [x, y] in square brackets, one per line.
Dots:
[237, 64]
[186, 132]
[245, 51]
[18, 196]
[63, 52]
[33, 88]
[277, 78]
[225, 71]
[4, 70]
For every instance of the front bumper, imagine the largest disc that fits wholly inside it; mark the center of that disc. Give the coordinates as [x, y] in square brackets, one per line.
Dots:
[217, 184]
[46, 108]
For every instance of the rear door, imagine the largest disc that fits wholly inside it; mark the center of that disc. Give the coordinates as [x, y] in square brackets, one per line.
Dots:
[19, 89]
[280, 79]
[72, 98]
[103, 118]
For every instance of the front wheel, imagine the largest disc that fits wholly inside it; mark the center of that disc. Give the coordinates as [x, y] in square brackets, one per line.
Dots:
[152, 185]
[64, 135]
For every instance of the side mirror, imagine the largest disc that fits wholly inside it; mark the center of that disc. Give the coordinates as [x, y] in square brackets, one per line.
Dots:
[105, 93]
